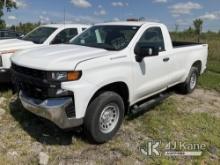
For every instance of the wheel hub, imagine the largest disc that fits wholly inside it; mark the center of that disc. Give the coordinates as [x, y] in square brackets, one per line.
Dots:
[109, 118]
[193, 80]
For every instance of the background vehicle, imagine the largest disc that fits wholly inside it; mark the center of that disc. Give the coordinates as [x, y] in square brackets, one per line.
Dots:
[7, 34]
[41, 36]
[108, 69]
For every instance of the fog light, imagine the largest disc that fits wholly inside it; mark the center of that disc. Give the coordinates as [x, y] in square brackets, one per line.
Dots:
[63, 92]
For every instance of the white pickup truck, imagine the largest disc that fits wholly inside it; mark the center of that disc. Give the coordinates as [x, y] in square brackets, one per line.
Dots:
[41, 36]
[106, 70]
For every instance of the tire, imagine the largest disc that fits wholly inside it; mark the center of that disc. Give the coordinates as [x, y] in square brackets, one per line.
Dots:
[191, 82]
[104, 117]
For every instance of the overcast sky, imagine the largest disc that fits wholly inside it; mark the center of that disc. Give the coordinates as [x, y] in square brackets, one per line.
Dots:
[170, 12]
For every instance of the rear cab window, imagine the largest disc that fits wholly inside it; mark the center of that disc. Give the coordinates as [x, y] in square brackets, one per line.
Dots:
[153, 37]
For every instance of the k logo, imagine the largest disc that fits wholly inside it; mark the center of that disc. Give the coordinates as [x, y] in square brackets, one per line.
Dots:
[151, 148]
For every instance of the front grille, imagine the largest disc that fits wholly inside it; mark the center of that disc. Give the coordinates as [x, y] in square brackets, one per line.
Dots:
[30, 72]
[33, 90]
[34, 82]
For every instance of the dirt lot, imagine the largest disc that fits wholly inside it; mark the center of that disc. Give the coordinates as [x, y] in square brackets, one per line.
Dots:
[26, 139]
[200, 101]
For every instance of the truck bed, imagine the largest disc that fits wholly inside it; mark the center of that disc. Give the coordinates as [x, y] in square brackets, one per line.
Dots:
[177, 44]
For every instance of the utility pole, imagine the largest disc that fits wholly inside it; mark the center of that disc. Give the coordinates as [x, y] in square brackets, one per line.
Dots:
[5, 12]
[176, 28]
[64, 15]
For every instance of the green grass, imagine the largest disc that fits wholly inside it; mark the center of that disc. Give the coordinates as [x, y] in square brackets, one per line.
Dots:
[165, 123]
[210, 80]
[214, 66]
[214, 49]
[168, 123]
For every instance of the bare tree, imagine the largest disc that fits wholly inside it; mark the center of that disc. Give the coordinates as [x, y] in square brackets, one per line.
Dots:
[141, 19]
[198, 27]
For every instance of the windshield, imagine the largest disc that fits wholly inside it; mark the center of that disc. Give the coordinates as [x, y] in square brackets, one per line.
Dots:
[39, 35]
[107, 37]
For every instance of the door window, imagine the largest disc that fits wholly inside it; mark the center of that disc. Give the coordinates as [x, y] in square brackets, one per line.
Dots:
[153, 37]
[65, 36]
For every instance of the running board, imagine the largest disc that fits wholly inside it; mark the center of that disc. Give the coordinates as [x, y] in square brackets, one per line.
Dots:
[148, 104]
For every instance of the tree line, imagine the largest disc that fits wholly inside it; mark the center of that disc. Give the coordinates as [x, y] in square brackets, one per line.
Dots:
[24, 28]
[9, 5]
[197, 29]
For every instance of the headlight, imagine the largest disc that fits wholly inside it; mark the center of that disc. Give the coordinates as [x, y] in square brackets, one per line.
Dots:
[66, 76]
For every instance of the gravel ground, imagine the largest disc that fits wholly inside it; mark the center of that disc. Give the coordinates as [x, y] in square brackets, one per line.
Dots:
[26, 139]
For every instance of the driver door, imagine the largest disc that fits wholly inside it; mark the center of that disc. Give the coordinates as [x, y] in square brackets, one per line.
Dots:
[151, 74]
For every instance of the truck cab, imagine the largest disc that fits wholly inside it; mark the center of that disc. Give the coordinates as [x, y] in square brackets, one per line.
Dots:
[41, 36]
[95, 80]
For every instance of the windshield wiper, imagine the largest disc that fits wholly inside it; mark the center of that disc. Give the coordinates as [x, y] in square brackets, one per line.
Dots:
[113, 49]
[106, 47]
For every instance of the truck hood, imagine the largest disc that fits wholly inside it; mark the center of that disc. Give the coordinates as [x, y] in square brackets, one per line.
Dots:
[15, 44]
[56, 57]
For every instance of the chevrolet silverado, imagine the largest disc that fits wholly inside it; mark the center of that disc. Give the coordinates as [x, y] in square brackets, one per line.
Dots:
[103, 72]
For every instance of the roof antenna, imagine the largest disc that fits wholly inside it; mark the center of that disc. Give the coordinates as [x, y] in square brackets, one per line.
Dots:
[64, 15]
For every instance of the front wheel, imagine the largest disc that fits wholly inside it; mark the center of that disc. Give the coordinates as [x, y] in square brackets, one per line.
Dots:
[190, 84]
[104, 117]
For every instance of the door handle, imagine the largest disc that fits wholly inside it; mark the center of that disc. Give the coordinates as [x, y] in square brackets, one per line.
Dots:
[166, 59]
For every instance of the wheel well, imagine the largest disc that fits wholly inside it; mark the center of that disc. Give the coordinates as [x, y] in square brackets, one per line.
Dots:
[120, 88]
[198, 64]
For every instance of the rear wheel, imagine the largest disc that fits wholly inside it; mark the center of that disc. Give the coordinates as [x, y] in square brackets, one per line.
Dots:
[191, 82]
[104, 117]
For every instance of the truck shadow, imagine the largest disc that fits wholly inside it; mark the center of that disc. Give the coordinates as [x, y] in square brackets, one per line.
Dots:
[4, 87]
[42, 130]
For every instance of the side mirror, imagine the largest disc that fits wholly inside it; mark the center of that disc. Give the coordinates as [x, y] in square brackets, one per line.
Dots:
[20, 36]
[145, 51]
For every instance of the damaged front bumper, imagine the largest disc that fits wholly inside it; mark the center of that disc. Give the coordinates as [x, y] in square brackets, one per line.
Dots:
[53, 109]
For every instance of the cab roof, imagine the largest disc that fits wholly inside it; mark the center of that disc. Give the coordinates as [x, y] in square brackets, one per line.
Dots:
[66, 25]
[129, 23]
